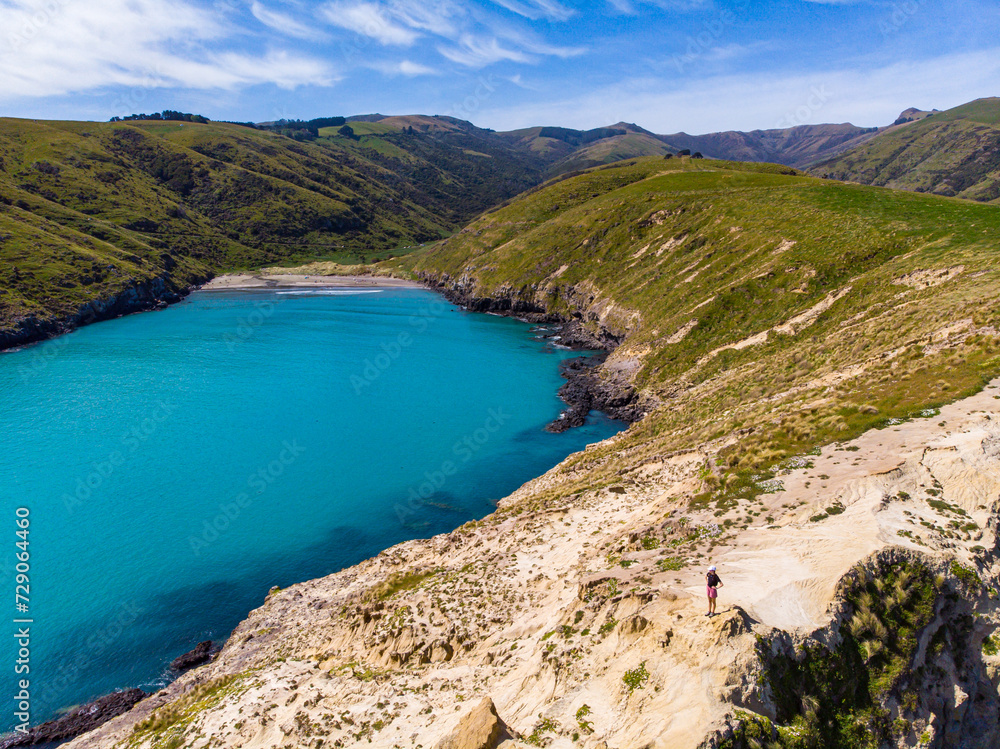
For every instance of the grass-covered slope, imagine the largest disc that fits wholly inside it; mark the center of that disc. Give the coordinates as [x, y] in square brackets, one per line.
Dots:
[794, 309]
[91, 212]
[797, 146]
[955, 153]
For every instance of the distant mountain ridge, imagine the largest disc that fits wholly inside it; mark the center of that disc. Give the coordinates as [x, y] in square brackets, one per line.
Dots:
[955, 153]
[564, 149]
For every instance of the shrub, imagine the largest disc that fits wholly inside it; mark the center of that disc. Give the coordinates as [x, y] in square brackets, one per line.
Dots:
[636, 678]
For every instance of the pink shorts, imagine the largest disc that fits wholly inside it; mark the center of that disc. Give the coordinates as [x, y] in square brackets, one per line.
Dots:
[712, 592]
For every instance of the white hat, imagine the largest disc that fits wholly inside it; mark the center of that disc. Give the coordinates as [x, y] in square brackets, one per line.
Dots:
[712, 568]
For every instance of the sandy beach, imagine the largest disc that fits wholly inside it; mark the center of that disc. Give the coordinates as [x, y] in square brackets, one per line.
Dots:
[236, 281]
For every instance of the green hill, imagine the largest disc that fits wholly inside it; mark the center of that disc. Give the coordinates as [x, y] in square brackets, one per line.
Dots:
[797, 146]
[746, 298]
[100, 218]
[954, 153]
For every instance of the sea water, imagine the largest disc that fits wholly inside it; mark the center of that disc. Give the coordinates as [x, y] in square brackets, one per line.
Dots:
[176, 465]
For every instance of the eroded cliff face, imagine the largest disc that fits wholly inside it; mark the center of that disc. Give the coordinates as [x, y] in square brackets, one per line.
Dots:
[587, 318]
[860, 589]
[139, 297]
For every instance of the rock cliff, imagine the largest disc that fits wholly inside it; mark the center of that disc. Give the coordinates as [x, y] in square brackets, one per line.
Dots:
[581, 622]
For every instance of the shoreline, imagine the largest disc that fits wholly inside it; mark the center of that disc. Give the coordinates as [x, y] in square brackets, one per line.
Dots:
[254, 281]
[161, 293]
[581, 392]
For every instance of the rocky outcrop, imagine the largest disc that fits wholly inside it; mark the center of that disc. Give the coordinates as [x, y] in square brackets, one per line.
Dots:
[140, 297]
[582, 326]
[589, 384]
[479, 728]
[586, 390]
[201, 653]
[82, 719]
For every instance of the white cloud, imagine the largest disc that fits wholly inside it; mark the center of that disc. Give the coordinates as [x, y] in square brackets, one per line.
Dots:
[465, 34]
[283, 23]
[632, 7]
[405, 67]
[763, 101]
[476, 52]
[371, 20]
[55, 47]
[535, 9]
[438, 17]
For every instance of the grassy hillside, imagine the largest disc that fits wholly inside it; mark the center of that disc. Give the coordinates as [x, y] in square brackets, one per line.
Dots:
[954, 153]
[90, 210]
[771, 311]
[797, 146]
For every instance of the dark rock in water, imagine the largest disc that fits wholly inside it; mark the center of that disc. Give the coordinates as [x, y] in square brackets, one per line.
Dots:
[588, 386]
[585, 390]
[79, 721]
[202, 653]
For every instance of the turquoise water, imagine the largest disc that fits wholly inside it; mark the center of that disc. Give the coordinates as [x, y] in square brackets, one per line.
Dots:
[178, 464]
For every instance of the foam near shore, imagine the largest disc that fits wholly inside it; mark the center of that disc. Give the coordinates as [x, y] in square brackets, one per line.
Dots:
[237, 281]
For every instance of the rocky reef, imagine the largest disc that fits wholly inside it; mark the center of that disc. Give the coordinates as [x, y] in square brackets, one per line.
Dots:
[80, 720]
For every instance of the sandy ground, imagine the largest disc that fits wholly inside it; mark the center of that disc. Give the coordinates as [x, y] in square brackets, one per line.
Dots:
[258, 281]
[505, 612]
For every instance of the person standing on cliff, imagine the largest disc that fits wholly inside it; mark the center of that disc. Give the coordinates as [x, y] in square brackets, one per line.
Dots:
[713, 583]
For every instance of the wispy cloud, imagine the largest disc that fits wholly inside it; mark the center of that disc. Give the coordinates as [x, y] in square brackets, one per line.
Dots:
[283, 23]
[404, 67]
[477, 52]
[57, 48]
[632, 7]
[371, 20]
[535, 9]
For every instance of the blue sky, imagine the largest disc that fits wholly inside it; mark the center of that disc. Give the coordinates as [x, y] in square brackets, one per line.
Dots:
[668, 65]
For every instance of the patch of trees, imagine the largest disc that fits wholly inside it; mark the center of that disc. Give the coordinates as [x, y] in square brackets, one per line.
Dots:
[579, 137]
[167, 114]
[303, 130]
[175, 170]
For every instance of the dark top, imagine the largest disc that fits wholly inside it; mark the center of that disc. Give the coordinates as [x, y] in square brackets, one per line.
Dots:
[713, 580]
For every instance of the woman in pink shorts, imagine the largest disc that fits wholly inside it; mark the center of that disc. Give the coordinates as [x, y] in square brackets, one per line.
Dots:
[713, 583]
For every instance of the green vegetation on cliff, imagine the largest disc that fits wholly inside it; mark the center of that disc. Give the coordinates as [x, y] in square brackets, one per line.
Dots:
[955, 153]
[752, 300]
[91, 210]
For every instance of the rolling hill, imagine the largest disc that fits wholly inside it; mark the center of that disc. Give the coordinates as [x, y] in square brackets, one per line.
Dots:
[818, 365]
[100, 218]
[954, 153]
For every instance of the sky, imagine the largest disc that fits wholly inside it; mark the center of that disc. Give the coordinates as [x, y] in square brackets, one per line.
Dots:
[668, 65]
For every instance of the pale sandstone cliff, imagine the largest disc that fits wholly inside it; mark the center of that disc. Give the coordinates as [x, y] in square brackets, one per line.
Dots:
[526, 628]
